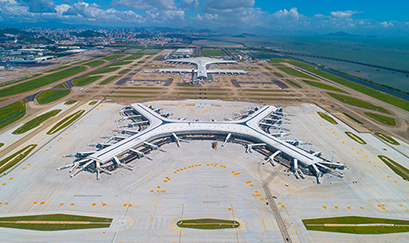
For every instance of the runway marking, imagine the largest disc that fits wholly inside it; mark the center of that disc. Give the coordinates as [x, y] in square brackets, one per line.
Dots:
[125, 204]
[336, 207]
[61, 204]
[4, 184]
[93, 204]
[361, 207]
[104, 204]
[324, 207]
[35, 202]
[130, 205]
[42, 203]
[72, 204]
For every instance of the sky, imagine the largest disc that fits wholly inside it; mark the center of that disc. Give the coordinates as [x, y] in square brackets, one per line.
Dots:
[255, 16]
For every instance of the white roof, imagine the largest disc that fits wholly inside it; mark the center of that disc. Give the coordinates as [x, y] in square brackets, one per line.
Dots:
[201, 63]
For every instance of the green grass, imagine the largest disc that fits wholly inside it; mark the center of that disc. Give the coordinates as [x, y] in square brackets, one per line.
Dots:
[104, 70]
[211, 53]
[56, 69]
[132, 57]
[124, 71]
[264, 90]
[387, 138]
[40, 82]
[13, 159]
[327, 118]
[119, 63]
[107, 80]
[355, 137]
[66, 122]
[18, 80]
[132, 97]
[12, 113]
[61, 86]
[1, 145]
[323, 86]
[352, 118]
[318, 225]
[70, 102]
[86, 80]
[278, 74]
[51, 95]
[390, 99]
[294, 72]
[294, 83]
[396, 167]
[208, 224]
[52, 222]
[382, 119]
[268, 68]
[356, 102]
[36, 121]
[93, 102]
[94, 63]
[114, 56]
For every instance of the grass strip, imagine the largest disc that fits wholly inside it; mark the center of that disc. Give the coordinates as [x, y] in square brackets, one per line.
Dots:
[268, 68]
[352, 118]
[13, 159]
[107, 80]
[40, 82]
[70, 102]
[263, 90]
[211, 53]
[55, 69]
[51, 95]
[140, 88]
[136, 92]
[52, 222]
[294, 83]
[114, 56]
[382, 119]
[208, 224]
[357, 225]
[278, 74]
[61, 86]
[104, 70]
[387, 138]
[390, 99]
[323, 86]
[94, 63]
[119, 63]
[124, 71]
[12, 113]
[93, 102]
[132, 97]
[296, 73]
[65, 122]
[1, 145]
[356, 102]
[18, 80]
[355, 137]
[86, 80]
[395, 166]
[36, 121]
[327, 118]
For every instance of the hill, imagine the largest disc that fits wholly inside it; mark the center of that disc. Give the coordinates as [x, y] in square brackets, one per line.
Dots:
[90, 34]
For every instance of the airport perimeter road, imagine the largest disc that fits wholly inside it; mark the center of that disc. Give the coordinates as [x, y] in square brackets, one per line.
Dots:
[273, 205]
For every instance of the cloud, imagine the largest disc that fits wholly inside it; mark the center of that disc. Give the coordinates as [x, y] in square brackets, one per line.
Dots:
[227, 5]
[38, 6]
[343, 14]
[289, 15]
[386, 24]
[143, 4]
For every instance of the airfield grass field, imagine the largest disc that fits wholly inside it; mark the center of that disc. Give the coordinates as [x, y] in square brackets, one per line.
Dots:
[51, 95]
[357, 102]
[41, 81]
[107, 80]
[211, 53]
[382, 119]
[386, 138]
[12, 113]
[357, 225]
[327, 118]
[293, 72]
[104, 70]
[323, 86]
[94, 63]
[66, 122]
[355, 137]
[13, 159]
[86, 80]
[36, 122]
